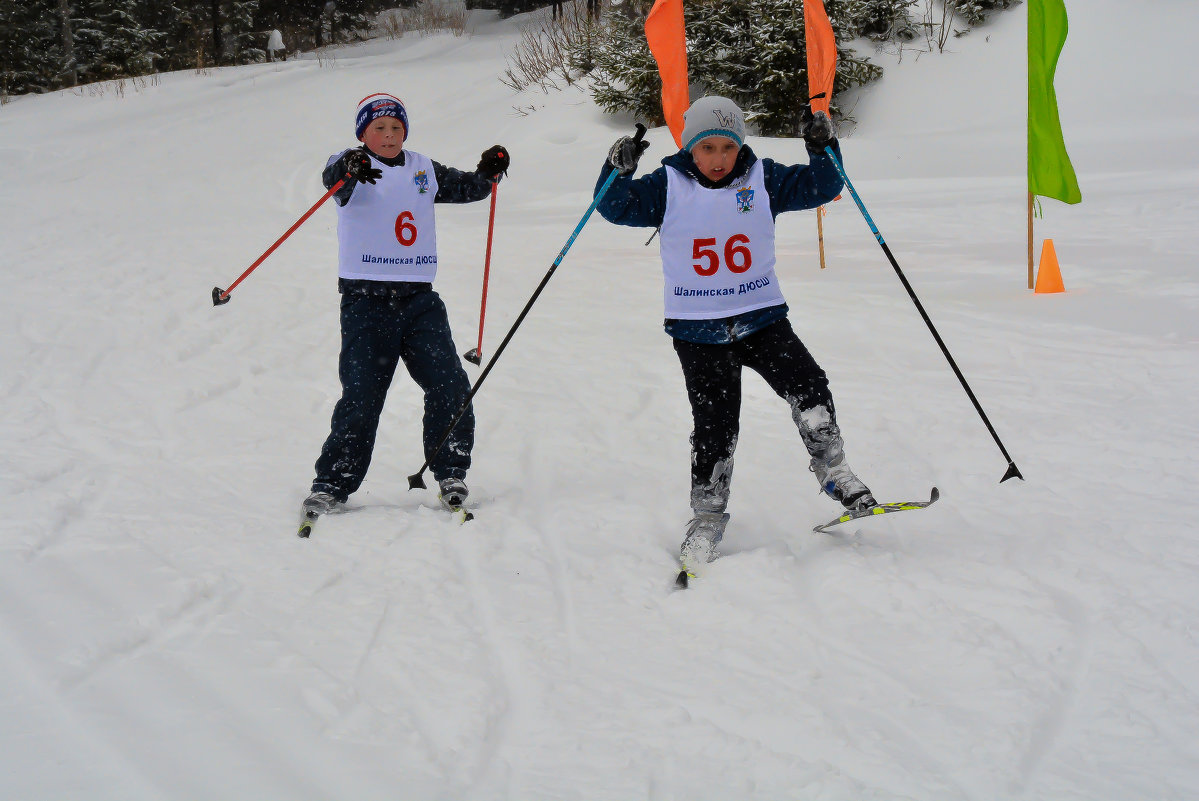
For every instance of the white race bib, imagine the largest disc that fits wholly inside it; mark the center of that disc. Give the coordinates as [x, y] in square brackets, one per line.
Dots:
[717, 248]
[386, 232]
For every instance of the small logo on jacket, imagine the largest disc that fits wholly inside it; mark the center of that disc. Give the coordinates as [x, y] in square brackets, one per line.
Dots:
[745, 200]
[422, 181]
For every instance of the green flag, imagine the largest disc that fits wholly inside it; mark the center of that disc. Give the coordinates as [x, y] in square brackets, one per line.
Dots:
[1050, 173]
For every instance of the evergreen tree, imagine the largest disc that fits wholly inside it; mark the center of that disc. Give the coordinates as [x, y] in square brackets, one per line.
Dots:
[353, 20]
[241, 43]
[111, 42]
[975, 11]
[752, 51]
[882, 20]
[624, 76]
[185, 36]
[31, 58]
[315, 23]
[507, 8]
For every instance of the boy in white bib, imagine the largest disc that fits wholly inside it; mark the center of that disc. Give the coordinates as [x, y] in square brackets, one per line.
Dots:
[387, 261]
[715, 203]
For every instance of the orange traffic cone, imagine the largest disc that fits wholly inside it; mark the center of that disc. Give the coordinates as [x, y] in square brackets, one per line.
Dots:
[1049, 275]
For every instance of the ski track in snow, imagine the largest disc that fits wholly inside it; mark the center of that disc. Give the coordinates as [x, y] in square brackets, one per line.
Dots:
[164, 633]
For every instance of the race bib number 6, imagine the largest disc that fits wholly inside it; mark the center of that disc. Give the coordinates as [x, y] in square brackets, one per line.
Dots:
[737, 257]
[405, 230]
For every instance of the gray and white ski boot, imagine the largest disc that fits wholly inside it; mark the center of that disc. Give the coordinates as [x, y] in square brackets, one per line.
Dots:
[452, 493]
[704, 531]
[839, 483]
[315, 505]
[321, 503]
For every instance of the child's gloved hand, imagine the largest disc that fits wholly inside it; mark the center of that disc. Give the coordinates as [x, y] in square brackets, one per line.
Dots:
[625, 154]
[494, 162]
[816, 129]
[358, 165]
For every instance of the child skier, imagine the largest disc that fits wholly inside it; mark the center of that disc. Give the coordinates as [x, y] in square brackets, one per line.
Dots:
[387, 244]
[715, 202]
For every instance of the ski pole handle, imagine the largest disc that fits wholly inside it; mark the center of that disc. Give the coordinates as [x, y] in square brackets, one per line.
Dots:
[221, 296]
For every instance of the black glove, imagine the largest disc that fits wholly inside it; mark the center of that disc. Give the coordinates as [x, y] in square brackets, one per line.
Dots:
[625, 154]
[494, 162]
[358, 164]
[816, 129]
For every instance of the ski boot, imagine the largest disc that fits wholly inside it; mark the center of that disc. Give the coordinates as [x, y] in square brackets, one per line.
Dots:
[452, 494]
[315, 505]
[839, 483]
[699, 546]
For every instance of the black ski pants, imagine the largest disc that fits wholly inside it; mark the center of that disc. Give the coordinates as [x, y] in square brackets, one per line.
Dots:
[377, 333]
[713, 377]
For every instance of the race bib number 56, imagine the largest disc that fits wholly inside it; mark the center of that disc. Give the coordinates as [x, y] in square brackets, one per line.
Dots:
[737, 257]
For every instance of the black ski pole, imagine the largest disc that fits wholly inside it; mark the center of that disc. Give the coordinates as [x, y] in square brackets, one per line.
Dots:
[1012, 470]
[417, 479]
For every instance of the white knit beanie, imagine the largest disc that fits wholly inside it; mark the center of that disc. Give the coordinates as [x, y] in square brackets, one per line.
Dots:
[713, 116]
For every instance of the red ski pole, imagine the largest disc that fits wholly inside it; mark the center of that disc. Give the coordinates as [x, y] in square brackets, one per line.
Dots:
[476, 356]
[221, 296]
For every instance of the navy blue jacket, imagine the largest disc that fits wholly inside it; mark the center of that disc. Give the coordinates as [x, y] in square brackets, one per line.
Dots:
[641, 202]
[453, 186]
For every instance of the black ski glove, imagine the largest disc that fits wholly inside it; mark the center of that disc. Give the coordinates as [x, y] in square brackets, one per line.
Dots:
[494, 163]
[358, 164]
[625, 154]
[816, 129]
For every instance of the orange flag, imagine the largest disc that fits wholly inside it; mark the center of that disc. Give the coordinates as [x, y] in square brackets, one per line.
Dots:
[822, 53]
[667, 40]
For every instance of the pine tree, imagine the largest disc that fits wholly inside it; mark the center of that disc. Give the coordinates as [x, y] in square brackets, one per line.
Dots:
[975, 11]
[111, 42]
[507, 8]
[31, 52]
[185, 36]
[752, 51]
[624, 76]
[241, 44]
[882, 20]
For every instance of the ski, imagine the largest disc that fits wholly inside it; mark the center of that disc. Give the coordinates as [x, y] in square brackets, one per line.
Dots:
[881, 509]
[308, 520]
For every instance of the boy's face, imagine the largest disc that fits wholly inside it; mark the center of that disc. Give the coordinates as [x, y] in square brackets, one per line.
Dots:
[715, 156]
[385, 137]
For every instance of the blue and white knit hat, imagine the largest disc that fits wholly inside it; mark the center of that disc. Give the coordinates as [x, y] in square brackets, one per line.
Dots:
[380, 104]
[712, 116]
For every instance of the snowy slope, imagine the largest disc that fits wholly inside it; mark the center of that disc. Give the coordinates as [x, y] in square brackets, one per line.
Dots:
[163, 633]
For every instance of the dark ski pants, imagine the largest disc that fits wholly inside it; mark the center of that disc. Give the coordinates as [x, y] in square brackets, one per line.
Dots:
[376, 334]
[713, 377]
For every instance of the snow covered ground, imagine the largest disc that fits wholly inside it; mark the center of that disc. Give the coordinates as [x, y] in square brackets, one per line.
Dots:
[164, 634]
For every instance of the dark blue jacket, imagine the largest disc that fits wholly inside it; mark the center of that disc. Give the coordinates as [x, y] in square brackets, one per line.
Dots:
[641, 202]
[453, 186]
